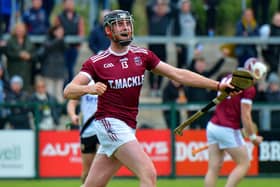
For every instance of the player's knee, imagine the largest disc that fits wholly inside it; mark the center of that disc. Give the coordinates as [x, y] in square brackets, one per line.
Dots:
[149, 176]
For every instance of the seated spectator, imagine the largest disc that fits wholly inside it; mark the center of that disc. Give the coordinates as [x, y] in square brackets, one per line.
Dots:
[19, 117]
[48, 115]
[173, 92]
[98, 41]
[53, 62]
[246, 27]
[20, 55]
[36, 19]
[4, 87]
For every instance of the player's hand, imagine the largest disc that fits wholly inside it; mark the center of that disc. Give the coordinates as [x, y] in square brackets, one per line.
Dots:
[98, 88]
[258, 140]
[227, 87]
[75, 119]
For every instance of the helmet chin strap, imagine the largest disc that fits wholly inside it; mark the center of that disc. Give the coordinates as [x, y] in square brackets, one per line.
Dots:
[122, 42]
[125, 43]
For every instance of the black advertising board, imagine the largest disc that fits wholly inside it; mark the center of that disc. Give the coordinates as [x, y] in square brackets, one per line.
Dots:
[269, 152]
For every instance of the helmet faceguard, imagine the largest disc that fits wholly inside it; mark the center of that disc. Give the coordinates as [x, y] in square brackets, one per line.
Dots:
[120, 24]
[256, 67]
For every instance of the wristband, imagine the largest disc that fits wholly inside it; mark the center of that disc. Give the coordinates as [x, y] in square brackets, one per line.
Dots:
[253, 137]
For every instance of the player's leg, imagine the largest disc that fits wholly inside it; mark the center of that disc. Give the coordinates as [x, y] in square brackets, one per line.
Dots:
[102, 170]
[133, 157]
[241, 158]
[215, 162]
[88, 150]
[215, 154]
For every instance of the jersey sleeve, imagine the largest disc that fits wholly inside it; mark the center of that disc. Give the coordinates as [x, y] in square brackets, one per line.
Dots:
[88, 68]
[249, 93]
[152, 60]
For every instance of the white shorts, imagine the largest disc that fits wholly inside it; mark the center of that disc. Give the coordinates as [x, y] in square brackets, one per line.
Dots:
[225, 137]
[112, 133]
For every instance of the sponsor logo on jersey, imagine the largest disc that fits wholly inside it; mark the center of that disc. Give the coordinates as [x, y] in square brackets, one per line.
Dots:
[138, 61]
[127, 82]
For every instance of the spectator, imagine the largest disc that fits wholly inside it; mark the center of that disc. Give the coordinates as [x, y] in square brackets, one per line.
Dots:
[48, 115]
[19, 117]
[272, 95]
[36, 19]
[185, 25]
[246, 27]
[160, 16]
[98, 41]
[211, 12]
[73, 25]
[272, 52]
[20, 55]
[126, 5]
[4, 87]
[173, 92]
[53, 62]
[261, 10]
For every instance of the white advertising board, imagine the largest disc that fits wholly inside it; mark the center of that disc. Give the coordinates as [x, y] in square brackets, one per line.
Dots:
[17, 153]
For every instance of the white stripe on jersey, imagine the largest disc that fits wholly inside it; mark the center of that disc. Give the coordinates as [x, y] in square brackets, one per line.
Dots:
[100, 56]
[136, 49]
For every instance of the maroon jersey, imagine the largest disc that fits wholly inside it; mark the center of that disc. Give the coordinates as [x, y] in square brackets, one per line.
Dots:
[124, 76]
[228, 112]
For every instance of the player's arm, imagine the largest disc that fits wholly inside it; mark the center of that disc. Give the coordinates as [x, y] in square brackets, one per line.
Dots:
[188, 78]
[79, 86]
[248, 123]
[71, 111]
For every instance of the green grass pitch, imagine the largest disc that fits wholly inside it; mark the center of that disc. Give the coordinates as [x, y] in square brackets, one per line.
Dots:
[192, 182]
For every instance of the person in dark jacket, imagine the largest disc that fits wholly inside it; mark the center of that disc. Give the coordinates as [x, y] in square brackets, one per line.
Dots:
[20, 54]
[98, 41]
[173, 92]
[18, 117]
[36, 19]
